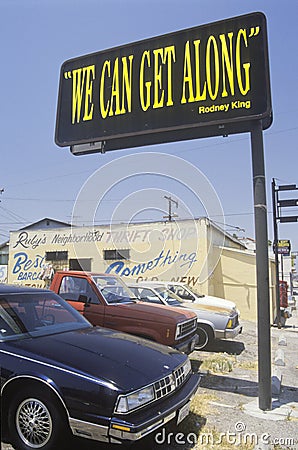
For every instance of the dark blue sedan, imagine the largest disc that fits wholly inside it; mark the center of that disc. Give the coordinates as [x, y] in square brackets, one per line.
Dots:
[60, 376]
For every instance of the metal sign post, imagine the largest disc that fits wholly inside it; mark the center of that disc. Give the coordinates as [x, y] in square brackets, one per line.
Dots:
[281, 247]
[275, 245]
[263, 298]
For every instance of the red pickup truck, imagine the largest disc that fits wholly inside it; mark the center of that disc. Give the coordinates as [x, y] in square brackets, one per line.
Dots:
[105, 300]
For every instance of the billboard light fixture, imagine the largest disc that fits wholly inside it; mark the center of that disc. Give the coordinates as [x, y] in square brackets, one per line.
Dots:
[90, 147]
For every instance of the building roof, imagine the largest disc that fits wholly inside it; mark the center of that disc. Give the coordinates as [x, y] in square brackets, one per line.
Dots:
[45, 223]
[4, 247]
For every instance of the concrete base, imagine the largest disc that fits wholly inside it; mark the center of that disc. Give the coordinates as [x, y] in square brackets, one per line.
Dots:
[280, 411]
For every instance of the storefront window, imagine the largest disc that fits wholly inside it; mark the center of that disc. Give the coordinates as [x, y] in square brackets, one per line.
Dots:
[116, 254]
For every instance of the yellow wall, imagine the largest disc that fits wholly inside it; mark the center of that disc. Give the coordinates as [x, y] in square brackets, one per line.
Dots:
[163, 250]
[235, 279]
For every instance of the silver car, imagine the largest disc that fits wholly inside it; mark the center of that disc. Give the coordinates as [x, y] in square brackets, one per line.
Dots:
[217, 318]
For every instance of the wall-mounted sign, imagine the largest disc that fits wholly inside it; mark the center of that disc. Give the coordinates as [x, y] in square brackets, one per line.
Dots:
[284, 247]
[203, 81]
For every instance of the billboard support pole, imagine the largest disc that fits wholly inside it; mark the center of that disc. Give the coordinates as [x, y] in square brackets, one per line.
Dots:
[263, 299]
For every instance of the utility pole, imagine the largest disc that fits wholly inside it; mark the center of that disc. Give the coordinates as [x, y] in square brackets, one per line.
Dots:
[170, 215]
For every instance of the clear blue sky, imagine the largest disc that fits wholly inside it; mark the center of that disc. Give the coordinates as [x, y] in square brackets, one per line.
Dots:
[41, 179]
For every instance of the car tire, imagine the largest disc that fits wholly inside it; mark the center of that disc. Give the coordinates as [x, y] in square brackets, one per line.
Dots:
[206, 336]
[36, 421]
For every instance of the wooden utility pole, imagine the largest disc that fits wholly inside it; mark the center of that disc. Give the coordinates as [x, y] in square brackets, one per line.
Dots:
[171, 215]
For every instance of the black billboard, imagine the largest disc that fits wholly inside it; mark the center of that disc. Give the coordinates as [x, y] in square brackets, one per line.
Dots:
[203, 81]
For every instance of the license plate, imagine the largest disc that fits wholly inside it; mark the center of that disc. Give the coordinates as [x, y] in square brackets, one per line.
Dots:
[183, 412]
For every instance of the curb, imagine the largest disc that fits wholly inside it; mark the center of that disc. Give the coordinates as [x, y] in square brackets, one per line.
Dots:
[276, 381]
[279, 359]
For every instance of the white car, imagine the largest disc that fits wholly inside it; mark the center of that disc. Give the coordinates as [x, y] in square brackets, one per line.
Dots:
[217, 318]
[185, 292]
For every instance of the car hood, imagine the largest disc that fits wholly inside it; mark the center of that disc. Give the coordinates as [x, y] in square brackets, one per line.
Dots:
[218, 301]
[212, 304]
[156, 313]
[125, 361]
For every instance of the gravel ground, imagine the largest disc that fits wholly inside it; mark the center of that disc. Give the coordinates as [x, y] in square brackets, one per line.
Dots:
[238, 389]
[230, 385]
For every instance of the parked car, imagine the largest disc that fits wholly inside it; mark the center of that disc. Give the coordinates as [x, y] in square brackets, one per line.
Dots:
[60, 376]
[217, 319]
[105, 300]
[187, 294]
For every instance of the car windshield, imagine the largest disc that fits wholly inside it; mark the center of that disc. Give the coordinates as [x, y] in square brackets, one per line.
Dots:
[36, 314]
[170, 297]
[184, 293]
[146, 295]
[113, 289]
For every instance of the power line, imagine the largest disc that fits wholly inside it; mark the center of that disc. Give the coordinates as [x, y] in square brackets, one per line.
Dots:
[12, 215]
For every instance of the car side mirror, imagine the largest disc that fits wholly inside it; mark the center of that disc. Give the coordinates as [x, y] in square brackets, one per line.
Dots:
[84, 299]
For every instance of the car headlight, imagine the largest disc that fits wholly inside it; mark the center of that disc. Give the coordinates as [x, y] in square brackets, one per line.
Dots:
[187, 367]
[129, 402]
